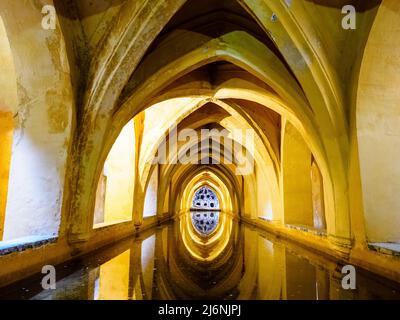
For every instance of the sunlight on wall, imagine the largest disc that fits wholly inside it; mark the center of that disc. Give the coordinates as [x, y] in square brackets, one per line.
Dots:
[114, 278]
[378, 126]
[116, 185]
[8, 101]
[8, 80]
[264, 201]
[296, 169]
[150, 202]
[6, 133]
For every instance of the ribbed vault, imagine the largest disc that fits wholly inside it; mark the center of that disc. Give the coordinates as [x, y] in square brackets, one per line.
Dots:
[122, 80]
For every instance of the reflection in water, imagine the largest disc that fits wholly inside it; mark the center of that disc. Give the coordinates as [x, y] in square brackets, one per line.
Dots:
[161, 264]
[107, 286]
[205, 222]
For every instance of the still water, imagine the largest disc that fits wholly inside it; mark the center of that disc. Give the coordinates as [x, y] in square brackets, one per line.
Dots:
[160, 264]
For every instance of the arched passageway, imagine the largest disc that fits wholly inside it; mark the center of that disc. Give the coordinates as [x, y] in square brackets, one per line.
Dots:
[203, 118]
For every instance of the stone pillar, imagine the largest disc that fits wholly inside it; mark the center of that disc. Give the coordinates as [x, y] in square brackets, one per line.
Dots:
[139, 192]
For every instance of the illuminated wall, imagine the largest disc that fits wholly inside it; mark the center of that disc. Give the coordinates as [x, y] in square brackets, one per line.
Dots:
[8, 101]
[116, 184]
[378, 126]
[6, 131]
[296, 174]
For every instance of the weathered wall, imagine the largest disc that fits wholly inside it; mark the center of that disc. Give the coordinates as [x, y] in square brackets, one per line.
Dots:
[8, 103]
[43, 123]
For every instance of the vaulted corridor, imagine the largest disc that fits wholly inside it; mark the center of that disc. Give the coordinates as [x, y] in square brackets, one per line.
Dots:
[187, 149]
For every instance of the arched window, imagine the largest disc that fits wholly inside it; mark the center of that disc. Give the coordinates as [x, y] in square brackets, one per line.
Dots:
[205, 198]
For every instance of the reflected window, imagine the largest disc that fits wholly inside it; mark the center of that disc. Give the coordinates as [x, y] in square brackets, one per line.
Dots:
[205, 222]
[206, 199]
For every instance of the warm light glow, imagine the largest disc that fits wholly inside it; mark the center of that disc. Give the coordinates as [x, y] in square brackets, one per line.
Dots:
[118, 178]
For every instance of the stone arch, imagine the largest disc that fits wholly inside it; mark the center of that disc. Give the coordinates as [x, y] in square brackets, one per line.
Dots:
[228, 48]
[192, 178]
[265, 165]
[249, 205]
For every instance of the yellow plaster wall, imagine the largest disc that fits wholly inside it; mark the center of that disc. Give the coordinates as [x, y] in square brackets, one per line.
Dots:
[6, 138]
[8, 81]
[43, 122]
[119, 169]
[378, 126]
[8, 103]
[264, 207]
[296, 182]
